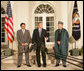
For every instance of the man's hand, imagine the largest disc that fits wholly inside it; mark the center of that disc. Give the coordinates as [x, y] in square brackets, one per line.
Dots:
[46, 38]
[24, 44]
[58, 42]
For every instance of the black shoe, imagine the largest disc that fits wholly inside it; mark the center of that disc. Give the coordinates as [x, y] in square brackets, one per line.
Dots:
[18, 66]
[64, 65]
[57, 65]
[39, 65]
[44, 66]
[29, 65]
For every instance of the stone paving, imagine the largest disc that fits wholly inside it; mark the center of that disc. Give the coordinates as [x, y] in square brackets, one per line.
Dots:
[10, 63]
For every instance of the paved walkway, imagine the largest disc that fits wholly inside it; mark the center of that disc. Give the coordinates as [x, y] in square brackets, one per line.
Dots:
[10, 63]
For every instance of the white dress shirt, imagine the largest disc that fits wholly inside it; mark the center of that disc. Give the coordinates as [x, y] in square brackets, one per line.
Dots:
[23, 30]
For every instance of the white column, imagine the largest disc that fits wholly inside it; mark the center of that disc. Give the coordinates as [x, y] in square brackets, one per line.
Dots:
[64, 14]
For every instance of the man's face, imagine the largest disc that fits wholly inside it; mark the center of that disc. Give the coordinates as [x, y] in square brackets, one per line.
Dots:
[40, 25]
[23, 26]
[60, 26]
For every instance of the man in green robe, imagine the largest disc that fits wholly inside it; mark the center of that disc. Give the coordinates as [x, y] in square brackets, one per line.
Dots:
[61, 44]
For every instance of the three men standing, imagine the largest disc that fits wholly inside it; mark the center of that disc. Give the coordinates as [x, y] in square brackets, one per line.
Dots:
[23, 38]
[38, 37]
[61, 44]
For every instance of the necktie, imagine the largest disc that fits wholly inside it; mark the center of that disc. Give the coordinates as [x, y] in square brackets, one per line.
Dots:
[40, 32]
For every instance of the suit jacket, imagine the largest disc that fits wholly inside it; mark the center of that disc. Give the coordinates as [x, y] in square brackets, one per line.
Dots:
[36, 38]
[23, 38]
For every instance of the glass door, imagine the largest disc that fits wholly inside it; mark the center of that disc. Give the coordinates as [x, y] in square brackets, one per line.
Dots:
[50, 28]
[48, 24]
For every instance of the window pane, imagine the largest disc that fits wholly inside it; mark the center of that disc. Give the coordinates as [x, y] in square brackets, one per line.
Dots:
[3, 19]
[40, 18]
[48, 29]
[36, 18]
[47, 24]
[48, 34]
[3, 30]
[2, 24]
[52, 24]
[36, 23]
[52, 18]
[3, 34]
[52, 33]
[40, 6]
[47, 18]
[52, 29]
[3, 39]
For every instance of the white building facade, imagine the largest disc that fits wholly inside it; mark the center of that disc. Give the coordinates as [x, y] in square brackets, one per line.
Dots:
[48, 12]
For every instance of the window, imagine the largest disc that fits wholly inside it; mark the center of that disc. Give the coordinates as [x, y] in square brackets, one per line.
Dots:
[3, 33]
[50, 28]
[2, 10]
[2, 30]
[44, 13]
[37, 20]
[44, 8]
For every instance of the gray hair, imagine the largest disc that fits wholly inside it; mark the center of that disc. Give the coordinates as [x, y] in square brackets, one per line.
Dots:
[39, 22]
[60, 22]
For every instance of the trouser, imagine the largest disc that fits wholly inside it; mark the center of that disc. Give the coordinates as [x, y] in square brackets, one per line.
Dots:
[20, 56]
[63, 61]
[60, 55]
[38, 56]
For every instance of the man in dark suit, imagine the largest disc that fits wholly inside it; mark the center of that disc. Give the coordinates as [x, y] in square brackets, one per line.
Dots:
[23, 38]
[38, 37]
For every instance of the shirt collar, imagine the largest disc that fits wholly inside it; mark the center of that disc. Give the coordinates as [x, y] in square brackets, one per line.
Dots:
[23, 30]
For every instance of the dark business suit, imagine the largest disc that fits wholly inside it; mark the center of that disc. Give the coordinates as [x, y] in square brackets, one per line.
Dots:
[23, 38]
[39, 40]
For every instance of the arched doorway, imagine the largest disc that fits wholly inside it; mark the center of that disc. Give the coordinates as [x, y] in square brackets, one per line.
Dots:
[44, 13]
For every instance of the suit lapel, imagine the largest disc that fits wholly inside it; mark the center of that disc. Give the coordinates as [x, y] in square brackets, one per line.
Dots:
[38, 32]
[25, 32]
[23, 35]
[41, 32]
[21, 32]
[62, 34]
